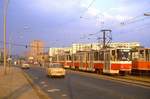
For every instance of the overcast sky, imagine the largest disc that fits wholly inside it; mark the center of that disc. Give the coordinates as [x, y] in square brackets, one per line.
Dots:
[62, 22]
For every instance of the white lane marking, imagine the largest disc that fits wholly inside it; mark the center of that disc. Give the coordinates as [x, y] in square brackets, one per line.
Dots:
[42, 82]
[35, 77]
[64, 95]
[53, 90]
[44, 85]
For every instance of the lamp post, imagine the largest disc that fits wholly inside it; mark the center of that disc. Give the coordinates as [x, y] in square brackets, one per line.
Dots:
[4, 20]
[146, 14]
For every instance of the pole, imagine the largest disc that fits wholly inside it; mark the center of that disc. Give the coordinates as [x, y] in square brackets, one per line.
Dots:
[4, 19]
[146, 14]
[5, 45]
[104, 36]
[104, 39]
[72, 57]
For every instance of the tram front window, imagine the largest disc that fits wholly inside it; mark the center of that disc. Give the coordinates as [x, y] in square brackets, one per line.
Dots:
[147, 52]
[123, 55]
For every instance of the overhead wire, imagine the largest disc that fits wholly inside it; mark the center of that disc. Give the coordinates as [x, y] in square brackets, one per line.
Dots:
[74, 19]
[87, 8]
[135, 19]
[139, 28]
[91, 34]
[22, 45]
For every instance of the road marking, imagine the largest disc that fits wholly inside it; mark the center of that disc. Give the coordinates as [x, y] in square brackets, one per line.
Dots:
[44, 85]
[42, 82]
[35, 77]
[53, 90]
[64, 95]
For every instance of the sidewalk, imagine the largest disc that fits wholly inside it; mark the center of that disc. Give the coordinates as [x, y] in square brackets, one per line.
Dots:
[14, 85]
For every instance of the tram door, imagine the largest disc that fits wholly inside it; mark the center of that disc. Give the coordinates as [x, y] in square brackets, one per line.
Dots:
[147, 55]
[81, 61]
[107, 68]
[91, 59]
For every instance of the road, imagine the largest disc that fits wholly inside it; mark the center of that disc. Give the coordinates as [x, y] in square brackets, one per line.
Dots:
[77, 86]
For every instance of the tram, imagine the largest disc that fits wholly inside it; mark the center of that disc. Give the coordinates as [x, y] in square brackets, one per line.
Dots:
[117, 61]
[108, 61]
[141, 61]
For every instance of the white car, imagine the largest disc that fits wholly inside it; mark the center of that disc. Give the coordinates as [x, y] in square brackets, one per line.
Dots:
[25, 66]
[56, 69]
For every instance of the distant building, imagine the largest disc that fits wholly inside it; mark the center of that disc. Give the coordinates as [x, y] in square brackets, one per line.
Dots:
[125, 44]
[90, 46]
[36, 49]
[54, 51]
[58, 51]
[97, 46]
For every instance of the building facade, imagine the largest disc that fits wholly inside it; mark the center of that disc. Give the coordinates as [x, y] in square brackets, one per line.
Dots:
[97, 46]
[36, 50]
[90, 46]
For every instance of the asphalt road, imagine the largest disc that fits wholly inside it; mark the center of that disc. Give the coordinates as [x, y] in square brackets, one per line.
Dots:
[77, 86]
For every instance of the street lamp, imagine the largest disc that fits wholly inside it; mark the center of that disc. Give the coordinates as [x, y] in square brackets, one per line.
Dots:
[4, 20]
[146, 14]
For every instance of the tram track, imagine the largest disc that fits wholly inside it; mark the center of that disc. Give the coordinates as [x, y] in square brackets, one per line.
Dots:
[137, 78]
[134, 81]
[122, 79]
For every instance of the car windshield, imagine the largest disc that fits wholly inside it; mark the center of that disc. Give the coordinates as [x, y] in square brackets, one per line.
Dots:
[55, 66]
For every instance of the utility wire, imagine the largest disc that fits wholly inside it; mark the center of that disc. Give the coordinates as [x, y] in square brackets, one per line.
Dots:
[134, 19]
[139, 28]
[90, 4]
[22, 45]
[91, 34]
[74, 19]
[88, 7]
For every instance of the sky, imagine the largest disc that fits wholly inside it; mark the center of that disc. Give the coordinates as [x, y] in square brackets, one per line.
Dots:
[59, 23]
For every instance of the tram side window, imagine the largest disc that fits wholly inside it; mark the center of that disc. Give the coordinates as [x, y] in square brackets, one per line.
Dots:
[69, 57]
[113, 56]
[147, 54]
[62, 58]
[96, 56]
[91, 56]
[141, 54]
[101, 56]
[87, 57]
[59, 57]
[123, 55]
[54, 58]
[84, 57]
[75, 57]
[66, 57]
[80, 57]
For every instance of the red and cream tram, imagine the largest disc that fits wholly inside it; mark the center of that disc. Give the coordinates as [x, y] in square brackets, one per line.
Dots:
[117, 61]
[108, 61]
[141, 61]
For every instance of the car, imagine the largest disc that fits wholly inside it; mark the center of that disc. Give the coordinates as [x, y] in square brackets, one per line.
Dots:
[35, 63]
[25, 66]
[56, 70]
